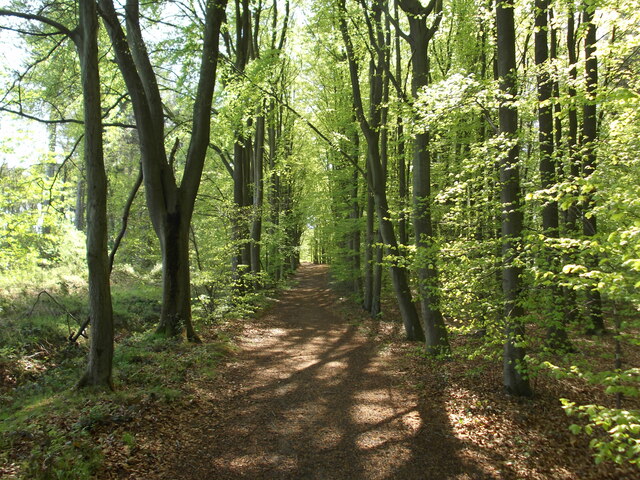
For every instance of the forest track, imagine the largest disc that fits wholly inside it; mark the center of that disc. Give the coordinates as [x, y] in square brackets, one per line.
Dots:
[307, 396]
[317, 391]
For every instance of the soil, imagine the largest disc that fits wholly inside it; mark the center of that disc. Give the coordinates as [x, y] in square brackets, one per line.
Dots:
[316, 392]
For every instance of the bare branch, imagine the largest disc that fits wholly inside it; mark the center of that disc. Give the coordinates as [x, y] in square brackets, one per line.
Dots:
[125, 218]
[62, 30]
[22, 114]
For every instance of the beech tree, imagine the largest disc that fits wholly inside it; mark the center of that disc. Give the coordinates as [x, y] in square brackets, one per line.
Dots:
[420, 34]
[589, 138]
[377, 178]
[548, 165]
[170, 203]
[84, 37]
[516, 381]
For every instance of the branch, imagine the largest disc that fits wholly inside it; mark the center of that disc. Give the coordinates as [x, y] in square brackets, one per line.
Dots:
[224, 156]
[22, 114]
[67, 158]
[487, 117]
[396, 24]
[72, 34]
[174, 151]
[298, 115]
[125, 218]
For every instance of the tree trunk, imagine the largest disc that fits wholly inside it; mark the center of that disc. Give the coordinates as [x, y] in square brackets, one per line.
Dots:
[258, 196]
[176, 292]
[514, 368]
[377, 184]
[355, 235]
[170, 206]
[79, 216]
[589, 138]
[436, 338]
[368, 253]
[376, 283]
[98, 372]
[556, 331]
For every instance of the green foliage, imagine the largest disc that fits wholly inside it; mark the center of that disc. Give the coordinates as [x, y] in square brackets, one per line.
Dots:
[615, 433]
[35, 234]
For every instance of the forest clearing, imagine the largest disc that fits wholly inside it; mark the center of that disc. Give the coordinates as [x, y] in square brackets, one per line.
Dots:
[320, 239]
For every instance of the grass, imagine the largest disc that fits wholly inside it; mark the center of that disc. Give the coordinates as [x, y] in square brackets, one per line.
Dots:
[49, 430]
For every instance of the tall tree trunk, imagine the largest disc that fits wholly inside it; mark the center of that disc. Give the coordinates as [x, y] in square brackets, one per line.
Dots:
[274, 188]
[368, 252]
[354, 216]
[98, 372]
[258, 195]
[436, 338]
[79, 215]
[589, 138]
[573, 212]
[556, 331]
[170, 205]
[515, 378]
[403, 189]
[376, 282]
[176, 292]
[370, 129]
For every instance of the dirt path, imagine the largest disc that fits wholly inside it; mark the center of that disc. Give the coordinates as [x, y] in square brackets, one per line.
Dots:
[310, 397]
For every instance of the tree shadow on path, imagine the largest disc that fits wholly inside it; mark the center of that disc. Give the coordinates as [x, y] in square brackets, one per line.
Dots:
[310, 397]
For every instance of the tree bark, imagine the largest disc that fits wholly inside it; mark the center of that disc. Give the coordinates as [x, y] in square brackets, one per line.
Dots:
[556, 331]
[368, 252]
[170, 206]
[436, 337]
[258, 195]
[589, 138]
[370, 130]
[514, 368]
[98, 372]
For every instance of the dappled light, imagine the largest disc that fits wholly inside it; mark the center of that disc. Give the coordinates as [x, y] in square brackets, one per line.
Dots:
[319, 239]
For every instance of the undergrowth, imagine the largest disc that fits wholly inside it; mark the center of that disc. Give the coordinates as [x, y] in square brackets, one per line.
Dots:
[50, 430]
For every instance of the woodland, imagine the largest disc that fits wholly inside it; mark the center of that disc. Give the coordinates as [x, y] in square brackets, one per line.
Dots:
[468, 170]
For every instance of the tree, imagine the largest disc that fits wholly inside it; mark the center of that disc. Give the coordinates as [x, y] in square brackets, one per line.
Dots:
[516, 381]
[420, 34]
[589, 138]
[84, 36]
[377, 178]
[100, 310]
[548, 164]
[170, 204]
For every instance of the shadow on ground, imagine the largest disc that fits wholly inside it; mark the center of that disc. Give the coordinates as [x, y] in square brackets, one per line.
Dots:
[311, 398]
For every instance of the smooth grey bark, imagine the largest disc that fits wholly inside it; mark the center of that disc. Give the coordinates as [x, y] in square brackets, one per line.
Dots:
[403, 189]
[514, 368]
[84, 37]
[573, 212]
[589, 138]
[377, 184]
[368, 251]
[353, 236]
[355, 220]
[79, 211]
[436, 337]
[548, 167]
[273, 133]
[170, 205]
[99, 367]
[376, 281]
[258, 193]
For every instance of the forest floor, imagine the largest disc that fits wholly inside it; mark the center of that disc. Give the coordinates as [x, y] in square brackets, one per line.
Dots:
[318, 391]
